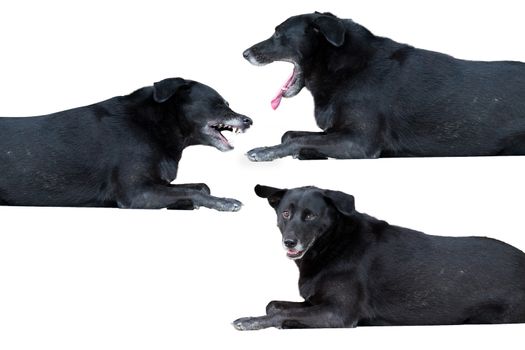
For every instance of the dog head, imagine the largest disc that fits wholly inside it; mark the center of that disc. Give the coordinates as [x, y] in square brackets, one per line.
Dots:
[305, 214]
[202, 113]
[297, 40]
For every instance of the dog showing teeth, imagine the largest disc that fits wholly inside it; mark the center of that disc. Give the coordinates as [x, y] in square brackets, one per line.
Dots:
[224, 127]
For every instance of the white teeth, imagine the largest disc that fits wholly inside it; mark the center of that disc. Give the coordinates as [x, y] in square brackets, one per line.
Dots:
[225, 127]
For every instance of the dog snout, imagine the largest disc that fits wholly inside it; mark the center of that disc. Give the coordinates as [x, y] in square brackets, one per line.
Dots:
[290, 242]
[246, 53]
[247, 121]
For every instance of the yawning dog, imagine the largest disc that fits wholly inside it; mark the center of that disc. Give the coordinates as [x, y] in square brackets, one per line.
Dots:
[122, 152]
[358, 270]
[375, 97]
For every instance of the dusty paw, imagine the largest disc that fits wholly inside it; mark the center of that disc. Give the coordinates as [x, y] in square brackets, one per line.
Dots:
[228, 204]
[248, 324]
[261, 154]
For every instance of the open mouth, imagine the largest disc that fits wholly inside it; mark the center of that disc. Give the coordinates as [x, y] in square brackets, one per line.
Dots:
[290, 88]
[295, 254]
[292, 85]
[230, 125]
[299, 251]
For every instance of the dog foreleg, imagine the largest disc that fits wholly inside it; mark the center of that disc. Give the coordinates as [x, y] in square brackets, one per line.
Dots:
[339, 145]
[187, 204]
[176, 196]
[318, 316]
[202, 187]
[276, 306]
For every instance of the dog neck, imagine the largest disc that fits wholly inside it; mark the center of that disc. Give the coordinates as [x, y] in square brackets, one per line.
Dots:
[168, 129]
[328, 246]
[329, 61]
[330, 66]
[346, 240]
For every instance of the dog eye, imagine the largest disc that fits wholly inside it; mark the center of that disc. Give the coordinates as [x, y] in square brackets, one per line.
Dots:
[286, 214]
[276, 35]
[310, 217]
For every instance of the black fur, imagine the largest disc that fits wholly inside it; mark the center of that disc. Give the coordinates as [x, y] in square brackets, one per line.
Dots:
[123, 152]
[358, 270]
[375, 97]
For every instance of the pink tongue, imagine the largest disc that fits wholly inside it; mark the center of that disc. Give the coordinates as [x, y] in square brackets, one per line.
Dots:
[277, 99]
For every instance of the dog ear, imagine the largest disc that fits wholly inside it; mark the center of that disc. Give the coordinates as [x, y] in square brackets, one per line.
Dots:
[274, 195]
[332, 28]
[165, 89]
[343, 202]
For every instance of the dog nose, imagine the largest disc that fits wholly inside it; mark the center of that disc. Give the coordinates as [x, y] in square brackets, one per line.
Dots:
[246, 53]
[247, 121]
[290, 243]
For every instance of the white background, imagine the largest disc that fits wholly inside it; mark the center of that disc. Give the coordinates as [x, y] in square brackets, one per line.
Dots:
[122, 279]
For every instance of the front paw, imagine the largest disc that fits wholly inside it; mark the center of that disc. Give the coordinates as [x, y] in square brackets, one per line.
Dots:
[248, 324]
[227, 204]
[261, 154]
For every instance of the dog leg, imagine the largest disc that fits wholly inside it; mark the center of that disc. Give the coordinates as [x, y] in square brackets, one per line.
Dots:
[174, 196]
[305, 153]
[318, 316]
[202, 187]
[183, 204]
[187, 204]
[310, 154]
[276, 306]
[290, 135]
[339, 145]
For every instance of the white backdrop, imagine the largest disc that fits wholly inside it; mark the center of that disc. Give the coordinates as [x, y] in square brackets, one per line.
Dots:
[117, 279]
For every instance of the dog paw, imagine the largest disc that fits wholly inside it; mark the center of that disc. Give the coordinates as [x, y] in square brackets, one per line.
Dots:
[261, 154]
[228, 204]
[247, 324]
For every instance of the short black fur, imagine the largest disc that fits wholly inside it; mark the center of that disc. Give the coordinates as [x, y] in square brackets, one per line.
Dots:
[357, 270]
[122, 152]
[375, 97]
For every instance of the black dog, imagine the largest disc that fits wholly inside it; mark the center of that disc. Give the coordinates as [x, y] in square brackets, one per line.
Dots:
[123, 152]
[357, 270]
[376, 98]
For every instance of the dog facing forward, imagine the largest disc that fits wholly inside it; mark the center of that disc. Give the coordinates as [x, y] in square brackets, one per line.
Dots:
[358, 270]
[122, 152]
[375, 97]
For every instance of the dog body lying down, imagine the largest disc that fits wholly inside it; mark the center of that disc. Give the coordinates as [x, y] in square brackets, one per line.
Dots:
[123, 152]
[357, 270]
[375, 97]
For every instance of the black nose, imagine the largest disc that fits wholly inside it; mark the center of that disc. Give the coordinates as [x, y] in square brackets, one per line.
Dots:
[246, 54]
[247, 121]
[290, 243]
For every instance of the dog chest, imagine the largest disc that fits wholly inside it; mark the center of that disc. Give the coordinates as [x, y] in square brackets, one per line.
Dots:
[168, 170]
[324, 116]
